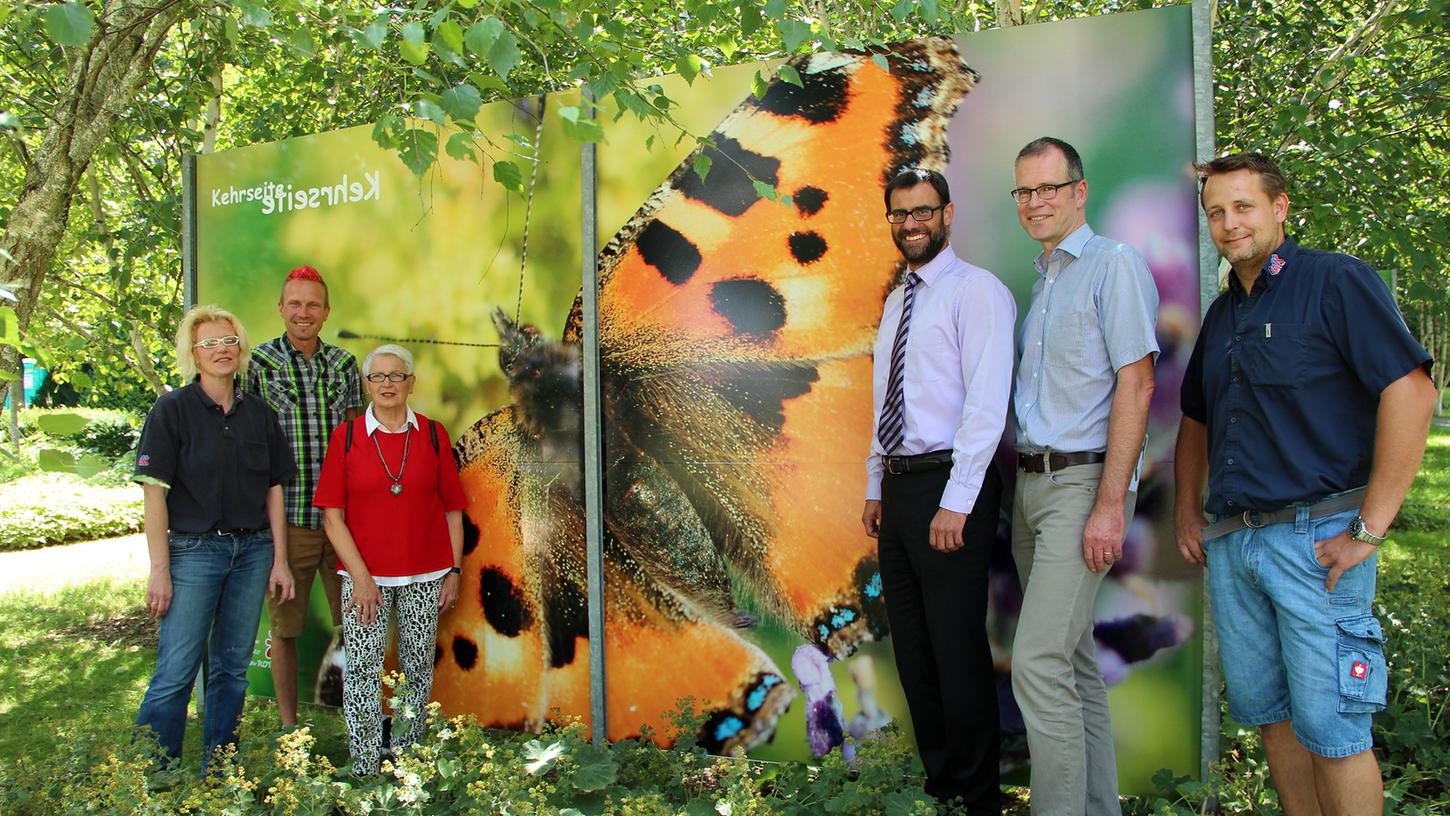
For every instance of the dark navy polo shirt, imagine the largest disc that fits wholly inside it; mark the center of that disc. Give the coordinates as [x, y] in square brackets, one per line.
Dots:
[218, 465]
[1288, 377]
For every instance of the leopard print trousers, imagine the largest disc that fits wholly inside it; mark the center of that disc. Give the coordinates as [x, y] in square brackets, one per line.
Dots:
[415, 608]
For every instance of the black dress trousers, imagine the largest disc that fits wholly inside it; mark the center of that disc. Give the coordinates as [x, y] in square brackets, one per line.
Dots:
[937, 606]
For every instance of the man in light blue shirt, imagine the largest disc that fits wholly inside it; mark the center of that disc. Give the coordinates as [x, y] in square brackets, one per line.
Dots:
[1084, 382]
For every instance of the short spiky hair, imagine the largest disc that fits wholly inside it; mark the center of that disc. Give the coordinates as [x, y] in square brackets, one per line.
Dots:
[1042, 144]
[305, 273]
[1270, 176]
[186, 339]
[913, 176]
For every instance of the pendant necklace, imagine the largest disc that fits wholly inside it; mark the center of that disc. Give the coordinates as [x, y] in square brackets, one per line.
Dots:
[397, 486]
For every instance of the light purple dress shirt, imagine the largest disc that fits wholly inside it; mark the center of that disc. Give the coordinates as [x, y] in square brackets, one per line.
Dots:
[959, 354]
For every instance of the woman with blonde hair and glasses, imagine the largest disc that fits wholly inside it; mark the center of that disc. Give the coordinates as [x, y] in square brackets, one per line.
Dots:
[212, 461]
[392, 504]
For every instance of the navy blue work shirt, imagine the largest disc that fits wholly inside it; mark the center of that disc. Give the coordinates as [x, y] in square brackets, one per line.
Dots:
[218, 465]
[1288, 378]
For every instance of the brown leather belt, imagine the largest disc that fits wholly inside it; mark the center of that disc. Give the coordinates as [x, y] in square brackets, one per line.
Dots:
[1034, 462]
[897, 465]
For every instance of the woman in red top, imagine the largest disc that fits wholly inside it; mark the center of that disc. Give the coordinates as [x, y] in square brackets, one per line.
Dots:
[392, 505]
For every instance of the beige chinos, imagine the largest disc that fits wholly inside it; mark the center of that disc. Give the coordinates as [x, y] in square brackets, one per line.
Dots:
[1054, 665]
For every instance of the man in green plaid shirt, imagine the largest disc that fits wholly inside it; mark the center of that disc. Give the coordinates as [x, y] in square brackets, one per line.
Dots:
[313, 387]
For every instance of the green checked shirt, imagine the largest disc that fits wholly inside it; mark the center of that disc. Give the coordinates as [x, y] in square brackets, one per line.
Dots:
[310, 398]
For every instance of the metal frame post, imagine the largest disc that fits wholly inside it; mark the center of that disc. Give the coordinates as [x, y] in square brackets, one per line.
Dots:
[1207, 290]
[188, 231]
[593, 432]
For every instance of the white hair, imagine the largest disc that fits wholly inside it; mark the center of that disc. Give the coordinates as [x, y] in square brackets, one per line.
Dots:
[389, 349]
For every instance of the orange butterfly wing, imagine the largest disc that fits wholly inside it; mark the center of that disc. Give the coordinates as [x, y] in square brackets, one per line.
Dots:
[494, 656]
[710, 287]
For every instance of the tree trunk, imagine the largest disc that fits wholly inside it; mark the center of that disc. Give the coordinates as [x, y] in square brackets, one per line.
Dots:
[135, 352]
[103, 78]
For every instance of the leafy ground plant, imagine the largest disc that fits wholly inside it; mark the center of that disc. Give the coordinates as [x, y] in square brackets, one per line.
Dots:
[42, 509]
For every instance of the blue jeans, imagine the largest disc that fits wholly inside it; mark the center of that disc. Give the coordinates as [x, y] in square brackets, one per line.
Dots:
[217, 585]
[1291, 650]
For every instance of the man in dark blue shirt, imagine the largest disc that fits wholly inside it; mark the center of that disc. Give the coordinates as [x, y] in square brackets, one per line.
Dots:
[1307, 402]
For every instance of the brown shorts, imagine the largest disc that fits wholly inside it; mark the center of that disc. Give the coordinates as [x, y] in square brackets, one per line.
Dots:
[309, 553]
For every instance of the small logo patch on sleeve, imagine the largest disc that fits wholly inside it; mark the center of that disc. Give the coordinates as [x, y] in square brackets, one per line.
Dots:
[1359, 670]
[143, 460]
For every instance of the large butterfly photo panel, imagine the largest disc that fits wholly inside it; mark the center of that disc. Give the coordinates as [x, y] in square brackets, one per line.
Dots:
[738, 307]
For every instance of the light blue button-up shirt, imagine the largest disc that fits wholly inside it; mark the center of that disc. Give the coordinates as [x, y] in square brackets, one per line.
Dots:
[1094, 310]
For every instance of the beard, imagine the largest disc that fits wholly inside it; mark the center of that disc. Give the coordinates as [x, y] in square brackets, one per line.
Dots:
[936, 238]
[1251, 250]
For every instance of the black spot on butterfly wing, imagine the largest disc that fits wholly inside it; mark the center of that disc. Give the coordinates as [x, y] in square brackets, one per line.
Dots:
[749, 305]
[465, 652]
[728, 188]
[664, 248]
[503, 604]
[761, 393]
[809, 200]
[470, 535]
[566, 616]
[807, 247]
[821, 97]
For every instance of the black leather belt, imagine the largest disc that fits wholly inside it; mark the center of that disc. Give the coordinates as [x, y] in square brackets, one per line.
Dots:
[919, 463]
[239, 531]
[1033, 462]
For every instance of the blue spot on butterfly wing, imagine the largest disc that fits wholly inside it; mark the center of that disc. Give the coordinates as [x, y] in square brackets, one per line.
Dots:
[923, 98]
[756, 698]
[728, 728]
[873, 586]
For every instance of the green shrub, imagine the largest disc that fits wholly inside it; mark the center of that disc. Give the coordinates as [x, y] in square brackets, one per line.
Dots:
[56, 508]
[107, 432]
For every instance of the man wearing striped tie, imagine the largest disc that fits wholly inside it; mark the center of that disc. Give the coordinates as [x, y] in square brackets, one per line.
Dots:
[1083, 389]
[942, 379]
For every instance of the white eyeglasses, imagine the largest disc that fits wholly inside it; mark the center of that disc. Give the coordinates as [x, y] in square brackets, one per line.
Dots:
[213, 342]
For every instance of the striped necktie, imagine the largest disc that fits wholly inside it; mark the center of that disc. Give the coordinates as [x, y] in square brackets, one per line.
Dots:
[892, 428]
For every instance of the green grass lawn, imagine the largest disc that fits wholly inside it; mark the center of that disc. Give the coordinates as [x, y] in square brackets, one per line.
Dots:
[74, 664]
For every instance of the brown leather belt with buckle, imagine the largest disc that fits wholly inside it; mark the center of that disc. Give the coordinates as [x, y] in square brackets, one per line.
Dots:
[1034, 462]
[921, 462]
[1251, 519]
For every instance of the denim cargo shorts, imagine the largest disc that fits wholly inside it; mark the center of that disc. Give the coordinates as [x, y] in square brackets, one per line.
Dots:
[1290, 649]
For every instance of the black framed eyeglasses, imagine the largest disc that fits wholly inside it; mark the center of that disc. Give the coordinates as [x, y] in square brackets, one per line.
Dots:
[1045, 192]
[917, 213]
[391, 376]
[213, 342]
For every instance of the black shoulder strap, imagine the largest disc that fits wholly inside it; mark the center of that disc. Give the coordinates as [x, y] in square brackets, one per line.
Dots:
[433, 432]
[347, 446]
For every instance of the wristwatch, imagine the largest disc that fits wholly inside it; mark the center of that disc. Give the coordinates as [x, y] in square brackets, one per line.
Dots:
[1359, 532]
[455, 570]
